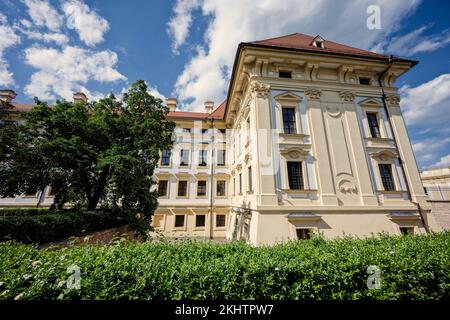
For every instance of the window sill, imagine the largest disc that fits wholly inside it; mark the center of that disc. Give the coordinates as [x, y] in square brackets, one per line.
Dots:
[391, 191]
[201, 197]
[298, 190]
[292, 135]
[182, 197]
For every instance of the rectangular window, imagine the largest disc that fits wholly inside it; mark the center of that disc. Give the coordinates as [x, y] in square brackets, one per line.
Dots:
[240, 183]
[182, 188]
[179, 220]
[365, 81]
[285, 74]
[184, 157]
[203, 158]
[372, 118]
[221, 157]
[295, 175]
[406, 230]
[200, 220]
[220, 220]
[386, 176]
[220, 188]
[165, 158]
[303, 234]
[234, 186]
[289, 120]
[201, 188]
[250, 186]
[205, 131]
[162, 188]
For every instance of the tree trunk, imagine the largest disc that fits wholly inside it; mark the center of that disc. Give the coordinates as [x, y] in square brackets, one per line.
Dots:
[98, 189]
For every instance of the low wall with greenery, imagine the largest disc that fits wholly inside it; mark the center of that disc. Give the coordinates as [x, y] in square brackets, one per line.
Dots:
[412, 267]
[43, 225]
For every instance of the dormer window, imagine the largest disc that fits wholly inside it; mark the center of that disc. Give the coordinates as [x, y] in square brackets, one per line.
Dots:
[318, 42]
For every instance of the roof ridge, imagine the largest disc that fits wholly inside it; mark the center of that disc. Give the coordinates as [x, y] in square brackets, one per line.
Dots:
[287, 35]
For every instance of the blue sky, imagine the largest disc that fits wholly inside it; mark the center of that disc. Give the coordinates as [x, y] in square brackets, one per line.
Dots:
[185, 48]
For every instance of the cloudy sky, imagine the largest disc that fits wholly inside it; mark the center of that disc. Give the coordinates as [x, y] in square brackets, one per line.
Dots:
[185, 48]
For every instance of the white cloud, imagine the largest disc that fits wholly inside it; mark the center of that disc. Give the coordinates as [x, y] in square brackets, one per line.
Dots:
[234, 21]
[428, 104]
[62, 72]
[89, 25]
[43, 14]
[153, 90]
[415, 42]
[8, 39]
[179, 24]
[429, 149]
[59, 38]
[443, 162]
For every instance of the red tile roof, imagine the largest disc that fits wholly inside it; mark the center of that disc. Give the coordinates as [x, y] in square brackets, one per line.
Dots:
[217, 114]
[304, 42]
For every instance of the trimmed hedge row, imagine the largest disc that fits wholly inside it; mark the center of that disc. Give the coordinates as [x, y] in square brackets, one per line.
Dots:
[41, 226]
[412, 267]
[21, 212]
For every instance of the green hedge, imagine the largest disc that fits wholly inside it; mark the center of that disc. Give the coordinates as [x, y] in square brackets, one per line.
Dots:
[41, 226]
[412, 267]
[22, 212]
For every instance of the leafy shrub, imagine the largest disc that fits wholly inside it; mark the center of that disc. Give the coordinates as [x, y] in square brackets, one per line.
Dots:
[412, 267]
[20, 212]
[42, 225]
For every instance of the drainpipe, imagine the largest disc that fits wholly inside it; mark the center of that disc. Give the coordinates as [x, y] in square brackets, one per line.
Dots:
[383, 98]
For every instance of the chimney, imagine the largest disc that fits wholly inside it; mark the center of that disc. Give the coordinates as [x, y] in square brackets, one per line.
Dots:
[209, 105]
[79, 97]
[171, 103]
[7, 95]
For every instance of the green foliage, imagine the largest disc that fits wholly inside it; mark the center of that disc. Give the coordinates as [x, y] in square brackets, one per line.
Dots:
[92, 154]
[412, 267]
[41, 225]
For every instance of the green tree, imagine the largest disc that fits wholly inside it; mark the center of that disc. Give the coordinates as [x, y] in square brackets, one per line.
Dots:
[95, 154]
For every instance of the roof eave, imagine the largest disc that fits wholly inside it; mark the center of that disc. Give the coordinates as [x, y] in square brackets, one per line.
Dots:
[257, 45]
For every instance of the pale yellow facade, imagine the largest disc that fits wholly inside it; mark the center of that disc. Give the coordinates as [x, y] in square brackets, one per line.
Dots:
[342, 190]
[436, 183]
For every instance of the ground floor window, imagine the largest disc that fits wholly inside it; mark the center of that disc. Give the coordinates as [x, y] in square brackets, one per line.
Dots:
[303, 234]
[406, 230]
[179, 220]
[200, 220]
[220, 220]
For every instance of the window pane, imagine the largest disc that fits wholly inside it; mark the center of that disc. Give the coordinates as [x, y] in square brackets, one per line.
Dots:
[200, 220]
[220, 220]
[373, 125]
[295, 175]
[303, 234]
[182, 188]
[386, 177]
[220, 188]
[240, 182]
[220, 157]
[289, 120]
[201, 188]
[179, 220]
[250, 186]
[162, 188]
[184, 155]
[165, 158]
[203, 158]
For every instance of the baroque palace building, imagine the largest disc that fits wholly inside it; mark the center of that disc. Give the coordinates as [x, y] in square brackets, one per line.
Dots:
[310, 139]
